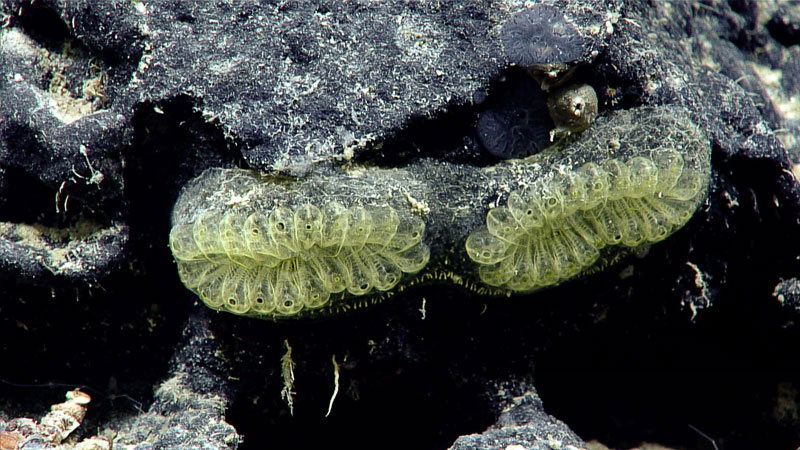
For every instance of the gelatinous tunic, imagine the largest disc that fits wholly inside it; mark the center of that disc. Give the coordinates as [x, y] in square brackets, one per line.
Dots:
[284, 260]
[647, 179]
[277, 247]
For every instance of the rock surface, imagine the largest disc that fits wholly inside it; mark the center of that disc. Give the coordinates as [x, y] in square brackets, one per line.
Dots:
[107, 108]
[524, 424]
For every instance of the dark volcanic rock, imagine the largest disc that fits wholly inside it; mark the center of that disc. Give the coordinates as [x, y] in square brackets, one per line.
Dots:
[296, 83]
[107, 108]
[523, 424]
[189, 408]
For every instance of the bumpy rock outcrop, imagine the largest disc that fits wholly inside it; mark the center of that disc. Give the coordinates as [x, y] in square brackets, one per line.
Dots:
[108, 108]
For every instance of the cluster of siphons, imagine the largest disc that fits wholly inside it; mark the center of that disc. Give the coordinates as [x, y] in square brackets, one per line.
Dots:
[555, 228]
[283, 261]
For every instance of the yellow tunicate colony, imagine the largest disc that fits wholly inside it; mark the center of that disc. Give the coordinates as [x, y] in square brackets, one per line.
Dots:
[283, 261]
[555, 228]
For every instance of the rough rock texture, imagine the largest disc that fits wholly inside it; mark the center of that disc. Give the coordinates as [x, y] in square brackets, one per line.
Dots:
[787, 292]
[108, 107]
[316, 81]
[187, 411]
[523, 424]
[188, 408]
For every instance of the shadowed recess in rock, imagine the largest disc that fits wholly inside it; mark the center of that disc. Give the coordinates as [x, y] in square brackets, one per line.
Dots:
[519, 125]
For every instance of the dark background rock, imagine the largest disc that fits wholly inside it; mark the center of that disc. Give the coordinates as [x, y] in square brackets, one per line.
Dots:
[689, 333]
[307, 82]
[525, 424]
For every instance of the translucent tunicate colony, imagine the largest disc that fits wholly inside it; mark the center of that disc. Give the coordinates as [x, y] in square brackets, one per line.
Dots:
[284, 261]
[346, 237]
[646, 181]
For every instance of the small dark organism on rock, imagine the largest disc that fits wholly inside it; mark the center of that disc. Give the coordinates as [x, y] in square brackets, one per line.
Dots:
[541, 35]
[519, 126]
[544, 42]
